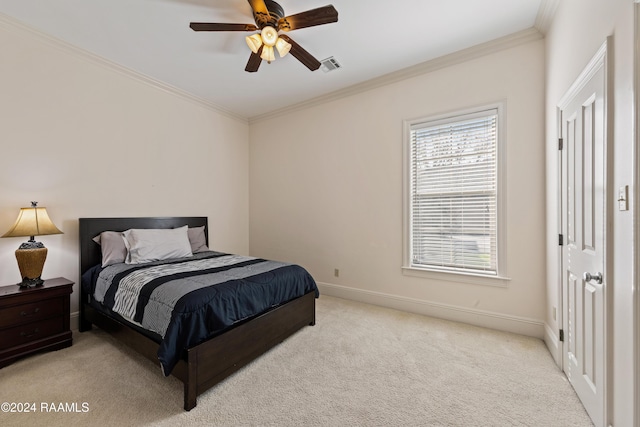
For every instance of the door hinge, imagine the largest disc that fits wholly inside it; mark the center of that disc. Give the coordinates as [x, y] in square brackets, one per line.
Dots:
[560, 239]
[561, 335]
[560, 143]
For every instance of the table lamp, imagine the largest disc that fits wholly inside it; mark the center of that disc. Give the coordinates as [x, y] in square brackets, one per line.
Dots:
[32, 221]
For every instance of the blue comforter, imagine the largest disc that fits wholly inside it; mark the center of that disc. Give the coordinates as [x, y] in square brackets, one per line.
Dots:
[187, 301]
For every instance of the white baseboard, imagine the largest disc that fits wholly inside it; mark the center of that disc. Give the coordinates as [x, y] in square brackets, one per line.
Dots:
[487, 319]
[552, 342]
[74, 321]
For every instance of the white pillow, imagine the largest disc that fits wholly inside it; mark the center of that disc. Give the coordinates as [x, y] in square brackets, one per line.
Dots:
[146, 245]
[112, 247]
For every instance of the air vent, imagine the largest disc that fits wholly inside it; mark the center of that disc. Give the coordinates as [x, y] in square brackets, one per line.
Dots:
[330, 64]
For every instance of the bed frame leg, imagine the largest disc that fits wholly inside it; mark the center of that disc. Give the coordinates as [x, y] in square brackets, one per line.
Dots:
[84, 325]
[189, 399]
[313, 321]
[191, 383]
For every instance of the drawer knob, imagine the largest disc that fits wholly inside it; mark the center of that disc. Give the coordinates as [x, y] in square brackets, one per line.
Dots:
[24, 313]
[29, 335]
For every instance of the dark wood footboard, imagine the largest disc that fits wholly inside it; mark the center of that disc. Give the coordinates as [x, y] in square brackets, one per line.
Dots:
[216, 359]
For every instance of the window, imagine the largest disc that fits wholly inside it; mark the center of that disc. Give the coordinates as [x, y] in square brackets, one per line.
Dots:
[452, 192]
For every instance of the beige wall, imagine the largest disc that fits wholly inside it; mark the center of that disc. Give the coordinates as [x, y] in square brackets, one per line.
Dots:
[580, 27]
[326, 190]
[85, 139]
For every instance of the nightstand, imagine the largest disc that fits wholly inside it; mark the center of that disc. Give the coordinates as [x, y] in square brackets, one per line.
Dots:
[34, 319]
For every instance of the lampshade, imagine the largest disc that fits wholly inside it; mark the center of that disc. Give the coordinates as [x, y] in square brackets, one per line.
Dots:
[267, 53]
[283, 46]
[32, 221]
[254, 41]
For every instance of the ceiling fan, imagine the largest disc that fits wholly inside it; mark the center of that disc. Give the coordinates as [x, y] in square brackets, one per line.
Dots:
[270, 19]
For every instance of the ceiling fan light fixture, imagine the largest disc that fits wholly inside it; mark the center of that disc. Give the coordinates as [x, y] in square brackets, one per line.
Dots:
[269, 36]
[267, 53]
[270, 19]
[254, 42]
[283, 46]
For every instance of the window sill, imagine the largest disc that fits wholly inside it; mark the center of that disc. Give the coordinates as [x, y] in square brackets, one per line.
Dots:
[457, 277]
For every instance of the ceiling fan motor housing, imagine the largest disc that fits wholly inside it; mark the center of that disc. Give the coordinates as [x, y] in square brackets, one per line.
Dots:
[276, 12]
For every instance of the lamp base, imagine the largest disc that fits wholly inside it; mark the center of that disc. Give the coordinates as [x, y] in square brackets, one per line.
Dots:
[30, 263]
[29, 283]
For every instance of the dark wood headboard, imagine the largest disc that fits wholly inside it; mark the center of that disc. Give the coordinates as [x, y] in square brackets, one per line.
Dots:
[90, 254]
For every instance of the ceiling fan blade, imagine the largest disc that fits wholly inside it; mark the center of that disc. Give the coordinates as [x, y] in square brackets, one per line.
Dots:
[302, 55]
[260, 12]
[310, 18]
[259, 6]
[210, 26]
[254, 61]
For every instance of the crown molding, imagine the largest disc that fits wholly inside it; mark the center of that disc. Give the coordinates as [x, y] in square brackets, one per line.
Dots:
[546, 12]
[480, 50]
[11, 24]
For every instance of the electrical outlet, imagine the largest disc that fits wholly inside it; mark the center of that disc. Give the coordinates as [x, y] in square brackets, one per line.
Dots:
[336, 272]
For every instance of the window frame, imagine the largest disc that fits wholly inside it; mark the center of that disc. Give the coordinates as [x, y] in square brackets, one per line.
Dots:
[500, 278]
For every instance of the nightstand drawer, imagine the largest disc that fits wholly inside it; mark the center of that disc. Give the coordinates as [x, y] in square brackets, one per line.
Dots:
[30, 332]
[24, 313]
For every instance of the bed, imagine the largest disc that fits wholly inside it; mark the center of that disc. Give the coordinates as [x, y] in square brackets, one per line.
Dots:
[201, 364]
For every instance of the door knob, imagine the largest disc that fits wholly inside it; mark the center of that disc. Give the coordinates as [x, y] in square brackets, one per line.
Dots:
[589, 277]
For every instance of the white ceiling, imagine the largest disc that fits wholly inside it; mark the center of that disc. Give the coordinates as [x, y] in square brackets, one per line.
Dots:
[371, 38]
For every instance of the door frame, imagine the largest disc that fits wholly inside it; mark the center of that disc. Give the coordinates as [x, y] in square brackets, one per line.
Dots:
[602, 59]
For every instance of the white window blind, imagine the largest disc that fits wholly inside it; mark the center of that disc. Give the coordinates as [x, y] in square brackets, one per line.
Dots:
[453, 208]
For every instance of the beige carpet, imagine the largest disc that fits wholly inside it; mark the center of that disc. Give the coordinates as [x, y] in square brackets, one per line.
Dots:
[360, 365]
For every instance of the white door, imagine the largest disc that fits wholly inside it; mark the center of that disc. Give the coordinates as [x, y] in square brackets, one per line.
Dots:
[583, 130]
